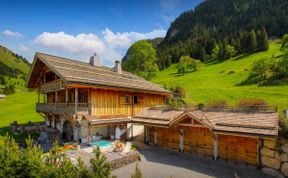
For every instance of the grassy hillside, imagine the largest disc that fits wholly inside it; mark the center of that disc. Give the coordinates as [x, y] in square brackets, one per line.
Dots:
[18, 107]
[13, 61]
[213, 81]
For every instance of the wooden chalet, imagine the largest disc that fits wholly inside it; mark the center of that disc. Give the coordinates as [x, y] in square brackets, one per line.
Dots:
[231, 135]
[82, 99]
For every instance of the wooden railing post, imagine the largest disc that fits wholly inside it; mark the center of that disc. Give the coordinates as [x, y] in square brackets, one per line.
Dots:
[66, 96]
[76, 99]
[56, 98]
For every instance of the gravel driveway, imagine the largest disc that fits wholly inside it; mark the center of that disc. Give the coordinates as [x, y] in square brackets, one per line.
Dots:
[157, 162]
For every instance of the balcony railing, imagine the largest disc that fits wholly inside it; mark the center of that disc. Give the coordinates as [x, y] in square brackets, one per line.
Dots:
[61, 108]
[52, 86]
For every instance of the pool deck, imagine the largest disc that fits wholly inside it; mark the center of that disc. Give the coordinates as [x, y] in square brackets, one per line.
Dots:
[86, 153]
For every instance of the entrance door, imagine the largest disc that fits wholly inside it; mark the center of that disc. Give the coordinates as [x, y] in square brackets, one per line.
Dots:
[67, 133]
[238, 149]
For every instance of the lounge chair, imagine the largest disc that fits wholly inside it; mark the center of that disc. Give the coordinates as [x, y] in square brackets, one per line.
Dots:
[127, 148]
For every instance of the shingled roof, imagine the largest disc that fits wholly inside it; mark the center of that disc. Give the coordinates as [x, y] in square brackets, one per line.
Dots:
[260, 123]
[77, 72]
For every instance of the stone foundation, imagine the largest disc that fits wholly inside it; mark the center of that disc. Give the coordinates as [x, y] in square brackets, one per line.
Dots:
[274, 157]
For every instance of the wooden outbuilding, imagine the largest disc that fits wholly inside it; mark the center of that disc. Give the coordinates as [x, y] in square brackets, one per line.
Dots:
[230, 135]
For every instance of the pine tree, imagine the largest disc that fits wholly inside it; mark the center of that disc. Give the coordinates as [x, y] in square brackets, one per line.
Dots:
[99, 165]
[202, 55]
[264, 42]
[252, 41]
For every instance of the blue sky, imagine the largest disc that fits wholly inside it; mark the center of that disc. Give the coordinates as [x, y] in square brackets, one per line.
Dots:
[76, 29]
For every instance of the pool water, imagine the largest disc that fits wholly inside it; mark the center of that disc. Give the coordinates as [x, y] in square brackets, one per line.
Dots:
[102, 143]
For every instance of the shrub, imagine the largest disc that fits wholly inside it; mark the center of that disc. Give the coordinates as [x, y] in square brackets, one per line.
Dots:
[30, 162]
[186, 64]
[283, 124]
[252, 104]
[137, 173]
[218, 104]
[9, 89]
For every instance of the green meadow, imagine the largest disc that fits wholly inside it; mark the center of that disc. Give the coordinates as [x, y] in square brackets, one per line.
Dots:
[222, 80]
[18, 107]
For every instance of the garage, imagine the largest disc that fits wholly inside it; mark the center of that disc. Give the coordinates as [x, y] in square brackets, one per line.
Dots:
[168, 138]
[198, 140]
[227, 135]
[238, 149]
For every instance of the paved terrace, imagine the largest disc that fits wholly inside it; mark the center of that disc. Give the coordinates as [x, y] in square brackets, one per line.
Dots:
[161, 163]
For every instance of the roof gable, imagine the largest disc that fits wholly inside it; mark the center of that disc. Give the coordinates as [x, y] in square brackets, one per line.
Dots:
[77, 72]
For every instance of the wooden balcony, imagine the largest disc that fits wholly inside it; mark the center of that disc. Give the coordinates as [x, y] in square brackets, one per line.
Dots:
[61, 108]
[52, 86]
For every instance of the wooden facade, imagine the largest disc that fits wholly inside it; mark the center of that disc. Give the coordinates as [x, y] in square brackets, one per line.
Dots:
[239, 149]
[121, 103]
[199, 139]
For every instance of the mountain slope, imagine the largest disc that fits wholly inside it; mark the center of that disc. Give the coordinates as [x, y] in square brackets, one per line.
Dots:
[222, 22]
[213, 81]
[13, 62]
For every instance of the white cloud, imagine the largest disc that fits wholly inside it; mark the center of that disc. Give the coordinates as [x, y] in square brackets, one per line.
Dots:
[111, 46]
[24, 48]
[121, 40]
[155, 34]
[125, 39]
[83, 44]
[11, 33]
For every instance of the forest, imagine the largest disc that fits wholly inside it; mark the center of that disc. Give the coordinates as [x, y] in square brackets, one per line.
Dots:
[220, 29]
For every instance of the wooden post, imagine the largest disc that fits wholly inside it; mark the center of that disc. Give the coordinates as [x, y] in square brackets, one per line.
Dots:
[89, 102]
[56, 98]
[76, 99]
[145, 134]
[45, 97]
[66, 96]
[181, 140]
[89, 135]
[38, 97]
[44, 77]
[155, 137]
[215, 146]
[259, 146]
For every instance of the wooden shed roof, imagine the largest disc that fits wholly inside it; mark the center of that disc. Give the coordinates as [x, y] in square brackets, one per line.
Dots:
[76, 72]
[261, 123]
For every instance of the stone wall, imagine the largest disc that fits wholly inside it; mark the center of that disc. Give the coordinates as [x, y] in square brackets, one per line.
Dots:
[131, 157]
[274, 157]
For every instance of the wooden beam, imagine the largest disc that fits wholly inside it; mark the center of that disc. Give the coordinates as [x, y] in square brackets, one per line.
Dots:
[155, 137]
[76, 99]
[56, 97]
[66, 96]
[259, 147]
[192, 125]
[215, 146]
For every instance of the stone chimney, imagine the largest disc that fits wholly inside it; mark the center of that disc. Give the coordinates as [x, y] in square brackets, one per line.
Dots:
[118, 67]
[95, 60]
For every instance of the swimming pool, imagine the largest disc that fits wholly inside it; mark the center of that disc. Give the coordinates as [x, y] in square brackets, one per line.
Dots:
[102, 143]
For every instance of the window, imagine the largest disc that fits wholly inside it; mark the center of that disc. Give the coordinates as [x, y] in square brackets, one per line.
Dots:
[135, 100]
[127, 99]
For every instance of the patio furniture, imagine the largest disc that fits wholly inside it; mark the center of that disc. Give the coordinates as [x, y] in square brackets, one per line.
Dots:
[127, 148]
